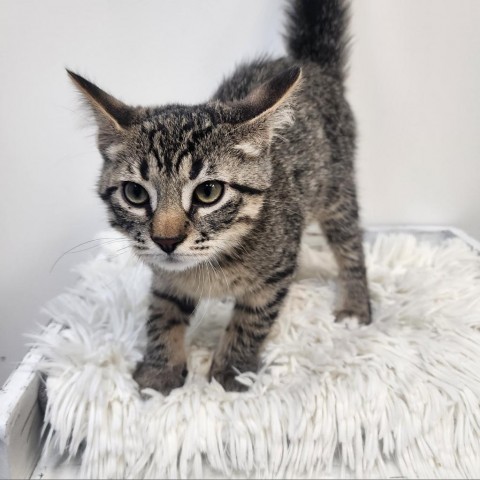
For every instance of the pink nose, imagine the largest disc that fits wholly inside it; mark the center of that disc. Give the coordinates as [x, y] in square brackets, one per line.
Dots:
[168, 245]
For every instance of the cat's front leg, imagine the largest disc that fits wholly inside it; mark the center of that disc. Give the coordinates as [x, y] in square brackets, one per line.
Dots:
[239, 348]
[164, 366]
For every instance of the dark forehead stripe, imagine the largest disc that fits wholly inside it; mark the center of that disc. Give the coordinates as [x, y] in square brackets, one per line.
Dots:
[196, 137]
[197, 166]
[153, 149]
[168, 130]
[166, 137]
[144, 169]
[154, 141]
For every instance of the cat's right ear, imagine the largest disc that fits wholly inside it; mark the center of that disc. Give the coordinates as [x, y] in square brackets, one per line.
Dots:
[265, 110]
[112, 115]
[268, 98]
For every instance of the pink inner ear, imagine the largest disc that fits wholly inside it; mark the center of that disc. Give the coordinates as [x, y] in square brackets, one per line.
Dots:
[268, 95]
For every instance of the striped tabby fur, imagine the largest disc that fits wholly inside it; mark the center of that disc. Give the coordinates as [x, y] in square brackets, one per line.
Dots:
[280, 137]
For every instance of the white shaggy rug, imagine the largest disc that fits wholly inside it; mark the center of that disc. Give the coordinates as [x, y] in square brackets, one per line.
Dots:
[400, 396]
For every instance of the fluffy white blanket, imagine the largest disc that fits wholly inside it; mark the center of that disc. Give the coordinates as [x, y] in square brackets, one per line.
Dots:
[399, 397]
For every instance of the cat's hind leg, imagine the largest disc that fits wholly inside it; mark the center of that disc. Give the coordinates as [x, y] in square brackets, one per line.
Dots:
[340, 224]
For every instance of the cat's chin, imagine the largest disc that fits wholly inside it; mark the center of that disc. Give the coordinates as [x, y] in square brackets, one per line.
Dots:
[179, 266]
[170, 264]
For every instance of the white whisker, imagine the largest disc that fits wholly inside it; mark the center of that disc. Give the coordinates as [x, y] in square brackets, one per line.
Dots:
[103, 242]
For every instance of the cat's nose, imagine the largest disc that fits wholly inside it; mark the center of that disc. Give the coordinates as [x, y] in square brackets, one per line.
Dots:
[168, 245]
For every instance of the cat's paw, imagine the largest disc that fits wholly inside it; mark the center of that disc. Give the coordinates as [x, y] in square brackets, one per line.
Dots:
[162, 379]
[354, 317]
[226, 375]
[228, 380]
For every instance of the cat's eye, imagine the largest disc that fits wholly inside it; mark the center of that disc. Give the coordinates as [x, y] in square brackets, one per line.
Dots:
[208, 192]
[135, 194]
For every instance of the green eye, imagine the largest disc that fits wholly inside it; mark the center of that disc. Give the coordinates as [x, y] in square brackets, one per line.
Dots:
[208, 192]
[135, 194]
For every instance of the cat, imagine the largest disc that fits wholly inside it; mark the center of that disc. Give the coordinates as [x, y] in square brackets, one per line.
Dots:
[214, 197]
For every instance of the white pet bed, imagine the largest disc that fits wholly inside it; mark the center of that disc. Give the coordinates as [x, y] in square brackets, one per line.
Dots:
[399, 397]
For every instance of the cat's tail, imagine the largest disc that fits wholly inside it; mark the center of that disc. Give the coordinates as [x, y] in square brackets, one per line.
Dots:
[317, 31]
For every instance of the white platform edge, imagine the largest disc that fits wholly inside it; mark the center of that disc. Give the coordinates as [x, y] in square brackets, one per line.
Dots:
[20, 420]
[20, 416]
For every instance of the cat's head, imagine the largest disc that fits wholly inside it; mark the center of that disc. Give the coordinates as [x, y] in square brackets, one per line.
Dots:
[186, 183]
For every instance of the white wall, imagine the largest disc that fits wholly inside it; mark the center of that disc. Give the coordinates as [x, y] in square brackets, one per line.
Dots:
[415, 76]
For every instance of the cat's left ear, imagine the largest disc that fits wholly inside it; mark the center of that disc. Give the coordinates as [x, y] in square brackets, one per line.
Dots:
[112, 116]
[269, 106]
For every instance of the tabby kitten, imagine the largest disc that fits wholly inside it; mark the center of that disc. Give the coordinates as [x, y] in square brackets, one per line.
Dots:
[215, 197]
